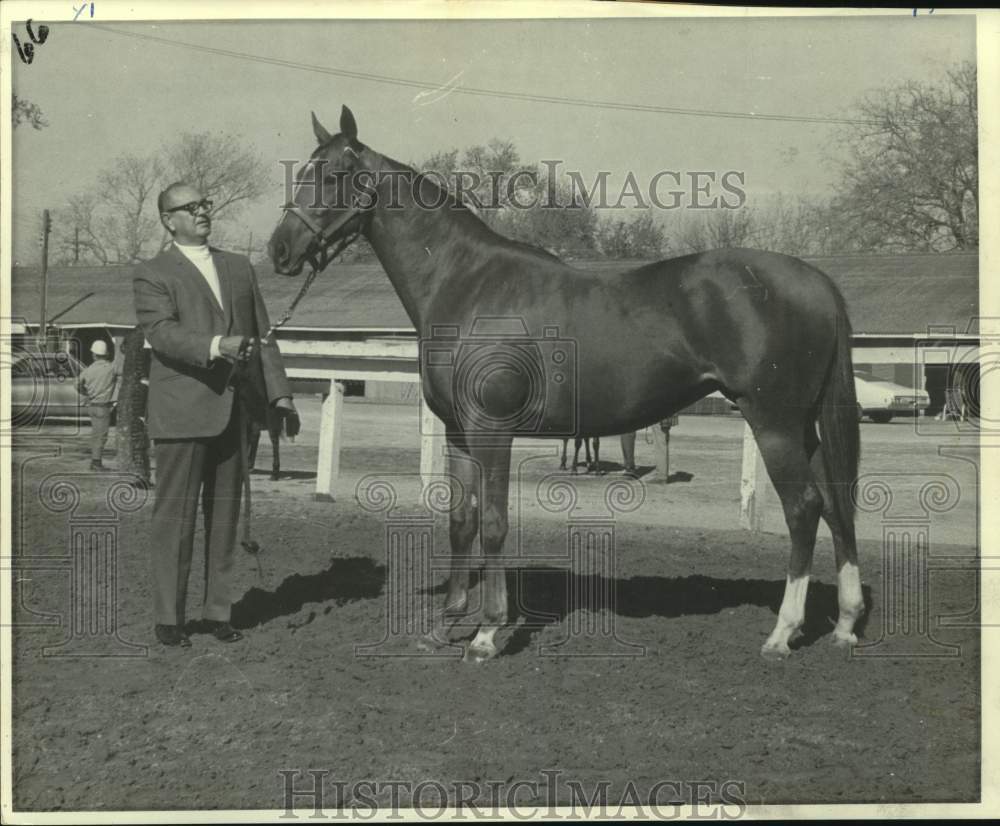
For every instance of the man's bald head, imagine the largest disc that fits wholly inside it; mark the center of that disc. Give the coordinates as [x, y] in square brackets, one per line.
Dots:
[185, 213]
[179, 192]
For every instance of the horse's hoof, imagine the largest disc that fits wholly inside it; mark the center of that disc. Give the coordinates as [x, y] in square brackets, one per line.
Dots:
[842, 640]
[479, 653]
[774, 653]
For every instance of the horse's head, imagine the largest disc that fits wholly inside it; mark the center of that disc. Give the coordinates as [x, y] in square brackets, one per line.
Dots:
[332, 195]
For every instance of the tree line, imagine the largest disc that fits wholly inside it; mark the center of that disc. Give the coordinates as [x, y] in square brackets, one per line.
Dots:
[907, 180]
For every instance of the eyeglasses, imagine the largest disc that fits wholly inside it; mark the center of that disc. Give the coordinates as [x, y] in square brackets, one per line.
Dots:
[193, 207]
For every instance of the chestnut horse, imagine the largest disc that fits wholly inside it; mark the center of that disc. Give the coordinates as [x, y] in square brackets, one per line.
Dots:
[514, 342]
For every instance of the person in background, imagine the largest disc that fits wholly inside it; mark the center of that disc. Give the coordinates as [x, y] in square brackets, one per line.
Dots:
[98, 385]
[628, 454]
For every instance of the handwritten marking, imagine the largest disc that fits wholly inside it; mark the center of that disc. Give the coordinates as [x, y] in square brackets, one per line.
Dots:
[79, 11]
[429, 96]
[27, 52]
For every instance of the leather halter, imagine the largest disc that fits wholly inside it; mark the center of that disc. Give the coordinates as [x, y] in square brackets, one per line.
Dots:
[326, 237]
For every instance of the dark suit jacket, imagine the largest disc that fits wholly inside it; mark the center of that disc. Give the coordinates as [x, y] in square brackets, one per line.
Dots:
[190, 395]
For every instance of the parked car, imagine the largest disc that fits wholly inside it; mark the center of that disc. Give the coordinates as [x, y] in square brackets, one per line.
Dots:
[880, 400]
[43, 386]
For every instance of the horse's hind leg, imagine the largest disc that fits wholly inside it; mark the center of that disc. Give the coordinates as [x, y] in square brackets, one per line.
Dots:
[849, 595]
[597, 456]
[783, 449]
[495, 462]
[562, 464]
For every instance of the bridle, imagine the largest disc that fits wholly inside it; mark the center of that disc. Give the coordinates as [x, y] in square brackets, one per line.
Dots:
[327, 244]
[326, 238]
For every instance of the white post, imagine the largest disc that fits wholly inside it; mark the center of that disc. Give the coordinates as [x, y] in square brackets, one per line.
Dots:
[753, 484]
[432, 444]
[331, 420]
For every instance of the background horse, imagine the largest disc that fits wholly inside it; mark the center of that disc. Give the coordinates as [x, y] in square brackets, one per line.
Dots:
[274, 427]
[511, 337]
[593, 466]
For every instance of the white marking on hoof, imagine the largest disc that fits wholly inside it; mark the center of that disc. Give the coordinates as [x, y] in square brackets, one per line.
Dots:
[791, 616]
[482, 648]
[842, 640]
[775, 652]
[851, 601]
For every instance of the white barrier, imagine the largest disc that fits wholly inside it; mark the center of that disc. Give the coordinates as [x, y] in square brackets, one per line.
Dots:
[352, 356]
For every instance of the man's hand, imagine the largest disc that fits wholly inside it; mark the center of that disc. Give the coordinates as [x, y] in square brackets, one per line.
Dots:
[237, 348]
[285, 408]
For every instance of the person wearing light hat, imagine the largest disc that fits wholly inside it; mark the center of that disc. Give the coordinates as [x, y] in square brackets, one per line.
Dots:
[97, 384]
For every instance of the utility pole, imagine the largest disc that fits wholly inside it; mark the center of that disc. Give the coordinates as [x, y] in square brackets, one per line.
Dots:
[76, 244]
[43, 328]
[250, 245]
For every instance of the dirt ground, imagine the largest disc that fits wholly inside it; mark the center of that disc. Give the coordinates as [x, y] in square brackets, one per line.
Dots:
[644, 671]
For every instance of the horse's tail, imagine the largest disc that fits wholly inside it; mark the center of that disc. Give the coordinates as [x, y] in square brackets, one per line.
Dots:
[840, 433]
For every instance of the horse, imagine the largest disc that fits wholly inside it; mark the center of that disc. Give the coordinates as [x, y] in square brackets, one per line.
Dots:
[274, 428]
[510, 335]
[593, 466]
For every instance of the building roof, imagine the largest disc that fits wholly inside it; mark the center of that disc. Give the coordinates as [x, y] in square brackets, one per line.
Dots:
[885, 294]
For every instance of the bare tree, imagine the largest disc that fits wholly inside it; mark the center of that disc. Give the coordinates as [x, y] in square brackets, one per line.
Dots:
[127, 193]
[221, 168]
[78, 234]
[640, 237]
[117, 220]
[697, 232]
[911, 181]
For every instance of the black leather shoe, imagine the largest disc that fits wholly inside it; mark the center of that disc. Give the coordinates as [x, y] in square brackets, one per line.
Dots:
[172, 635]
[223, 631]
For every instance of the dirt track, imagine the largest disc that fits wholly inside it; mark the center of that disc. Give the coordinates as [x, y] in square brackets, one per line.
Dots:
[213, 726]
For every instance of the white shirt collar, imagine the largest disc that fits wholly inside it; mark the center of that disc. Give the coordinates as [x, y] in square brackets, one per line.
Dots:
[200, 251]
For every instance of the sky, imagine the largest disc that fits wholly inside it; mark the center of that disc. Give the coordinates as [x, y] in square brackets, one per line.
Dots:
[107, 93]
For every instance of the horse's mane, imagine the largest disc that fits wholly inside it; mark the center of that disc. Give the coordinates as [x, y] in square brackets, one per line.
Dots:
[460, 210]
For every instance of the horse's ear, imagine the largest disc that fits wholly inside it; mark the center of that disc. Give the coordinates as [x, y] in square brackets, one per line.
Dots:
[348, 126]
[321, 134]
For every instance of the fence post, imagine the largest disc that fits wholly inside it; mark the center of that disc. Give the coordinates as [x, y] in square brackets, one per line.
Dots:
[432, 444]
[331, 421]
[753, 485]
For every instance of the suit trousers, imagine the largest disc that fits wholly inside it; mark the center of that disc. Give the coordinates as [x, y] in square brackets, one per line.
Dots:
[186, 469]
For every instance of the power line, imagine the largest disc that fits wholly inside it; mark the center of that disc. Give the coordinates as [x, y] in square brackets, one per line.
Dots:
[481, 92]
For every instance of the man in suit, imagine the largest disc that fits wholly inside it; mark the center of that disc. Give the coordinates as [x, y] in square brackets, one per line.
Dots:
[202, 313]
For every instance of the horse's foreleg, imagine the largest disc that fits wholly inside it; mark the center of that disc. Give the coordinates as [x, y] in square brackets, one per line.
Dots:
[562, 464]
[464, 478]
[275, 455]
[495, 461]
